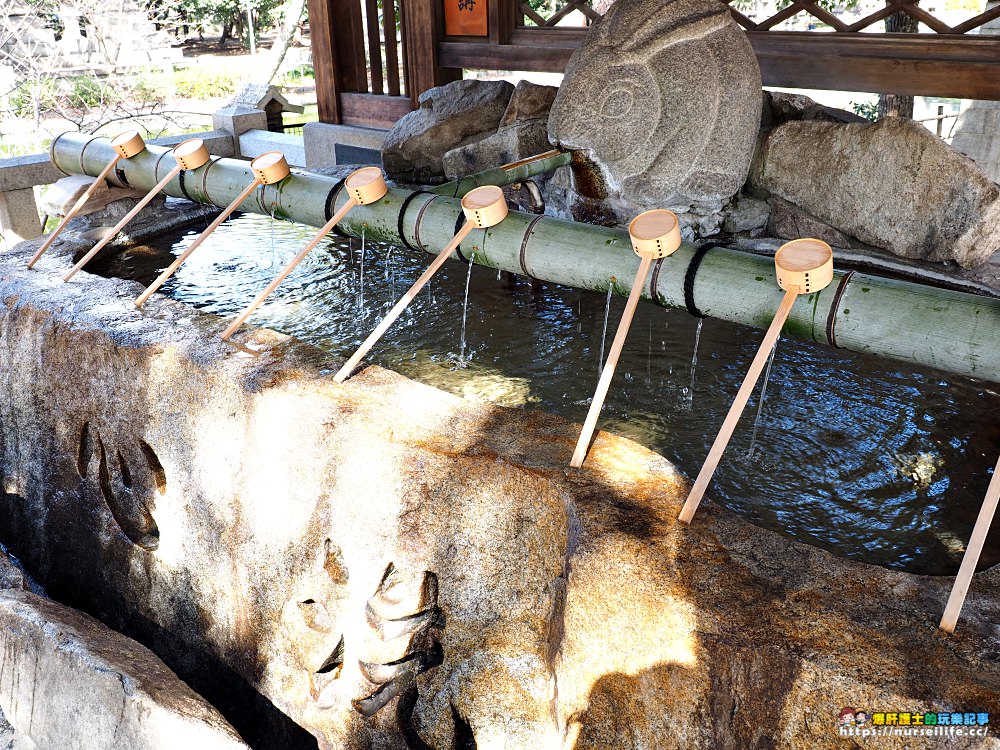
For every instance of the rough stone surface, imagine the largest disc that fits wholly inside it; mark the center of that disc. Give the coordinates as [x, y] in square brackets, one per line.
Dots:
[59, 198]
[68, 681]
[19, 219]
[746, 215]
[511, 143]
[255, 522]
[790, 222]
[529, 101]
[449, 116]
[664, 100]
[891, 184]
[11, 576]
[780, 107]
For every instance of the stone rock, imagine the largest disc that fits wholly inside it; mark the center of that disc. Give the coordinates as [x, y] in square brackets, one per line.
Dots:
[977, 135]
[514, 142]
[891, 184]
[664, 100]
[790, 222]
[68, 681]
[449, 116]
[393, 566]
[746, 215]
[59, 198]
[530, 101]
[780, 107]
[11, 576]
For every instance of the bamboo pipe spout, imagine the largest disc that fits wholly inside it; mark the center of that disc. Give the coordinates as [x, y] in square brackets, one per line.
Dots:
[802, 267]
[268, 168]
[483, 208]
[364, 186]
[190, 154]
[125, 145]
[654, 234]
[971, 557]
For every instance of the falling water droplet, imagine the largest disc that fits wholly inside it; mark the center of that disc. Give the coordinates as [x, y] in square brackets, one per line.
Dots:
[390, 273]
[361, 296]
[760, 403]
[604, 332]
[689, 392]
[498, 274]
[465, 311]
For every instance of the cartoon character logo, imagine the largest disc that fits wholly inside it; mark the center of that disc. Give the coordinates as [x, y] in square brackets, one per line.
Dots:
[860, 718]
[847, 715]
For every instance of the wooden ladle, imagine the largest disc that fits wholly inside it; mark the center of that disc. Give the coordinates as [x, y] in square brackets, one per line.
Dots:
[803, 267]
[654, 234]
[126, 145]
[268, 168]
[365, 185]
[190, 154]
[483, 207]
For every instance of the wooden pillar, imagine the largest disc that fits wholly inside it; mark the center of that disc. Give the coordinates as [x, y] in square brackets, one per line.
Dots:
[423, 28]
[338, 53]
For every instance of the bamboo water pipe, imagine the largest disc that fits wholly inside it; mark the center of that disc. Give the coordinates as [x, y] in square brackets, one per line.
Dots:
[190, 154]
[125, 145]
[484, 207]
[908, 322]
[654, 234]
[363, 186]
[269, 168]
[970, 559]
[803, 267]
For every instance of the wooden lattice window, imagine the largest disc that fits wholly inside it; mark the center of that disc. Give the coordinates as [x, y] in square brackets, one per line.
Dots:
[549, 13]
[812, 14]
[862, 18]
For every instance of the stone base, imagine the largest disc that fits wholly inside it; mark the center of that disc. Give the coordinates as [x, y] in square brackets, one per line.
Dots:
[329, 145]
[385, 562]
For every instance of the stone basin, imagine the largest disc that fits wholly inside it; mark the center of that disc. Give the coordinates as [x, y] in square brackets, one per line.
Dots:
[335, 548]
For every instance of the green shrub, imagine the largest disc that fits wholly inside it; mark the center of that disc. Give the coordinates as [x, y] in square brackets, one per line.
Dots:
[44, 90]
[197, 83]
[86, 92]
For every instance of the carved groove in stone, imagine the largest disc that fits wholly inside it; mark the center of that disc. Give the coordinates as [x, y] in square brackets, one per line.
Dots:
[85, 451]
[335, 661]
[155, 467]
[334, 564]
[315, 616]
[390, 615]
[123, 497]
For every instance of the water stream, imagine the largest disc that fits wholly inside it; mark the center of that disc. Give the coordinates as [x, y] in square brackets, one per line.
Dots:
[869, 458]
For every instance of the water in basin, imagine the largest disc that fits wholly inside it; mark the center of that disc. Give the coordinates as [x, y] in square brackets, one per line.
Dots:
[868, 458]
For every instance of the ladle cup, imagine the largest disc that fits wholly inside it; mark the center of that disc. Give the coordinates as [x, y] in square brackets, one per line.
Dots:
[190, 154]
[483, 207]
[802, 266]
[268, 169]
[126, 145]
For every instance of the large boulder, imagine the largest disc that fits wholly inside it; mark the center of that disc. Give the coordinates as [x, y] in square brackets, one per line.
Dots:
[523, 132]
[449, 116]
[663, 99]
[68, 681]
[892, 184]
[396, 567]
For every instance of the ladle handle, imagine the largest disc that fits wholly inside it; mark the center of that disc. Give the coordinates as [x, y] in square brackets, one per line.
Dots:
[736, 410]
[604, 383]
[76, 207]
[971, 557]
[125, 220]
[401, 305]
[162, 278]
[324, 230]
